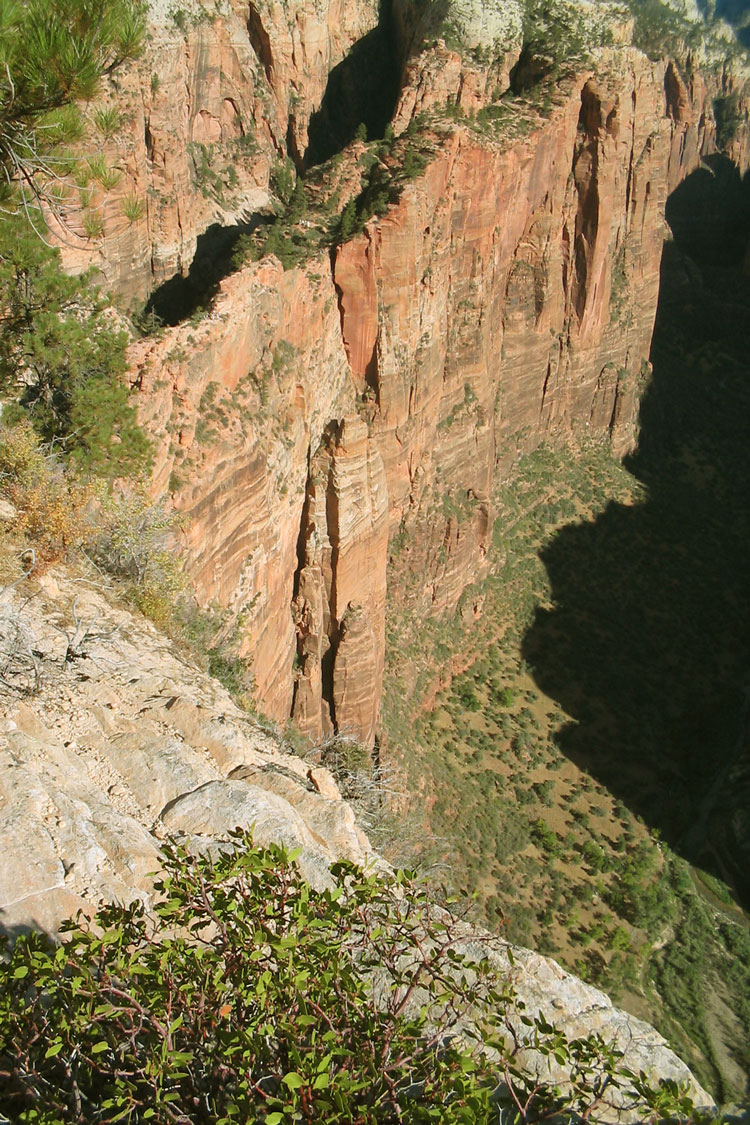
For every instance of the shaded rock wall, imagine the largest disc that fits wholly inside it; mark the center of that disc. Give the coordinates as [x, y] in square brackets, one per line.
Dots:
[508, 298]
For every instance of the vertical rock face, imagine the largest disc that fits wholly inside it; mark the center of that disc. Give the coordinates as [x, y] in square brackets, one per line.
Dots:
[239, 411]
[339, 604]
[510, 298]
[298, 46]
[507, 299]
[282, 488]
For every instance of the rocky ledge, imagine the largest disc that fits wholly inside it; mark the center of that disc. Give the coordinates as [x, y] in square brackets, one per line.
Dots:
[110, 740]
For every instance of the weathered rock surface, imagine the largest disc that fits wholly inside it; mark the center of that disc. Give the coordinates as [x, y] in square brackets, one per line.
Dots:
[110, 742]
[567, 1002]
[207, 114]
[486, 24]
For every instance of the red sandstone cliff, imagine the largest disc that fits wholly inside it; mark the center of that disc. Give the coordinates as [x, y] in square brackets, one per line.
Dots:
[508, 298]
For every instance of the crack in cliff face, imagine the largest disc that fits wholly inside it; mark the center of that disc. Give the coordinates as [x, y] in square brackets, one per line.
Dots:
[259, 41]
[585, 173]
[631, 157]
[318, 630]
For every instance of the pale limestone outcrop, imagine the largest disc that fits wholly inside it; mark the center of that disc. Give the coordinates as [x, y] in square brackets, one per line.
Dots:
[107, 745]
[579, 1009]
[486, 24]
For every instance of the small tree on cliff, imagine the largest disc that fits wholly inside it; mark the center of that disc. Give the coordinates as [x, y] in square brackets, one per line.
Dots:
[62, 357]
[53, 53]
[348, 222]
[62, 354]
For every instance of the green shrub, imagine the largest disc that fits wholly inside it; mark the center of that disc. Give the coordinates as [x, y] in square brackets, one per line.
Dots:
[108, 121]
[545, 838]
[283, 180]
[50, 503]
[249, 996]
[133, 208]
[506, 697]
[729, 117]
[660, 29]
[132, 538]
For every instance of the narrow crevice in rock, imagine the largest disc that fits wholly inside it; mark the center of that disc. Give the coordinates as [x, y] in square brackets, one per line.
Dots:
[332, 435]
[338, 289]
[148, 139]
[259, 40]
[326, 672]
[318, 631]
[292, 150]
[297, 608]
[585, 174]
[371, 375]
[377, 761]
[302, 536]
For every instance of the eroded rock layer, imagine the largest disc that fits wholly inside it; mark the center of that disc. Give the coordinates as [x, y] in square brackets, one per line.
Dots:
[206, 118]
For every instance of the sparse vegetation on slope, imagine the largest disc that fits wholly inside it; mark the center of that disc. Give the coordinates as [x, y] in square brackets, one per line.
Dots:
[553, 856]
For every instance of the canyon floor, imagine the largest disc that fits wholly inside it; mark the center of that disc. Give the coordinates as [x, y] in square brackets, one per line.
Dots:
[574, 740]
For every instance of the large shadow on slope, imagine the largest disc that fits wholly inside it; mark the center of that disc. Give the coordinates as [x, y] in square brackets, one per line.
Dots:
[648, 645]
[364, 88]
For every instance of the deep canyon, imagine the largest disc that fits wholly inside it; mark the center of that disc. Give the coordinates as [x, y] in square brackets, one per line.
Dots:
[507, 299]
[539, 313]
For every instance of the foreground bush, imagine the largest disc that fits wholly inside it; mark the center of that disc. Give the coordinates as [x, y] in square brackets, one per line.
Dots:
[249, 997]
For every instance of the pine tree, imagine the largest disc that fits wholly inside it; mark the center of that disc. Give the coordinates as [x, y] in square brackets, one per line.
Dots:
[62, 357]
[348, 221]
[53, 54]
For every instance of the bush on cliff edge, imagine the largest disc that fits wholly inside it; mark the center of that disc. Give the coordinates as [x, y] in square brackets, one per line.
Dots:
[249, 996]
